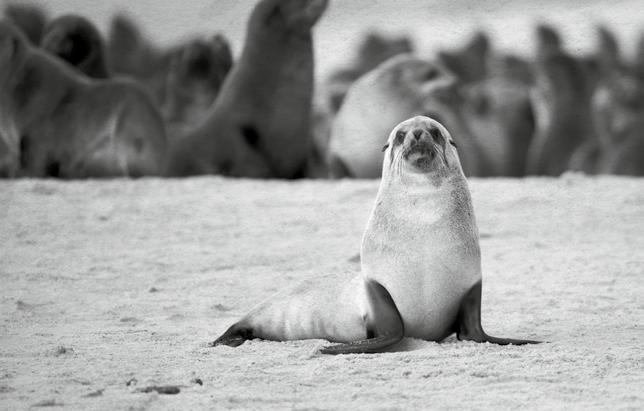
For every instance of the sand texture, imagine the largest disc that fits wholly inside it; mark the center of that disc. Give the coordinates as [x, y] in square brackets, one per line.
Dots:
[109, 288]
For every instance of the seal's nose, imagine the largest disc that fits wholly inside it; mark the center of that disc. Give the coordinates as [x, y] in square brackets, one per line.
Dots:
[418, 133]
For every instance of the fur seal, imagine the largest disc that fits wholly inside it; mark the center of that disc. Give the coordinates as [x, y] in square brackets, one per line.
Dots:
[420, 261]
[59, 123]
[401, 87]
[499, 112]
[619, 113]
[77, 41]
[197, 71]
[260, 124]
[561, 99]
[548, 41]
[130, 53]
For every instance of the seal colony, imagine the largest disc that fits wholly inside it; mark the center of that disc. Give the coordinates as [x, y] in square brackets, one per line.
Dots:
[420, 262]
[55, 122]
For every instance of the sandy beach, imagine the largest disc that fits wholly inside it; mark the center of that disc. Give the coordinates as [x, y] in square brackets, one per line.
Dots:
[112, 287]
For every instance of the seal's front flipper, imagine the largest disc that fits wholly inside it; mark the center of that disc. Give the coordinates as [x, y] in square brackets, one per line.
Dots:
[468, 325]
[235, 336]
[383, 322]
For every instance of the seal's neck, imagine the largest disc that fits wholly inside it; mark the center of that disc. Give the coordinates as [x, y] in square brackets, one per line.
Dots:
[428, 197]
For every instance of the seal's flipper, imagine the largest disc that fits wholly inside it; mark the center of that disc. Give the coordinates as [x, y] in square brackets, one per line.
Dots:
[384, 324]
[468, 325]
[234, 336]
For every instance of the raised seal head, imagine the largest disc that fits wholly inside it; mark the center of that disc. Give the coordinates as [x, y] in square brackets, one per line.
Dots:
[420, 146]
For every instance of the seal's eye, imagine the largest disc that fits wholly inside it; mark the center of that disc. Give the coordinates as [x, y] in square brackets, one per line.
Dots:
[436, 134]
[400, 136]
[453, 143]
[385, 147]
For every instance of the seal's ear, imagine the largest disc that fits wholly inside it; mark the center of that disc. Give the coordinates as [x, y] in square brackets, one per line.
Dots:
[385, 147]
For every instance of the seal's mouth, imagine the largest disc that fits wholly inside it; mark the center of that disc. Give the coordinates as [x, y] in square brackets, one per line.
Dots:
[423, 155]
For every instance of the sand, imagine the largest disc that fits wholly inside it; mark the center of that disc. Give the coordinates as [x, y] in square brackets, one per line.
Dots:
[112, 287]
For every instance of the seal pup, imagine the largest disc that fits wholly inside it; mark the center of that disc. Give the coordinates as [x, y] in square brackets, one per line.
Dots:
[77, 41]
[401, 87]
[260, 124]
[420, 261]
[60, 123]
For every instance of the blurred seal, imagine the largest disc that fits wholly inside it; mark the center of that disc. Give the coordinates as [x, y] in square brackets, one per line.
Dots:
[55, 122]
[399, 88]
[260, 124]
[561, 100]
[77, 41]
[197, 71]
[131, 53]
[420, 261]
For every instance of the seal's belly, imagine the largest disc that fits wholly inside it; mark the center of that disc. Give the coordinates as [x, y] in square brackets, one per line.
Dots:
[428, 296]
[429, 310]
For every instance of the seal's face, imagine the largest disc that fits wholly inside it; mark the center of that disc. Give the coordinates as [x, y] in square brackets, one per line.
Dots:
[293, 16]
[73, 39]
[421, 145]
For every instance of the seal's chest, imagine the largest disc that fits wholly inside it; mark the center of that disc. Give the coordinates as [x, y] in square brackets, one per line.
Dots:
[427, 282]
[428, 297]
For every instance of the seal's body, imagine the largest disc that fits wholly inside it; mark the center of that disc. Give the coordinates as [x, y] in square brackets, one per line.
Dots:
[401, 87]
[498, 110]
[420, 261]
[259, 126]
[561, 100]
[421, 242]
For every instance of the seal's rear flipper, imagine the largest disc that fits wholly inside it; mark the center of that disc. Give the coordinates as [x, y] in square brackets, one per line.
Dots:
[468, 325]
[383, 321]
[235, 336]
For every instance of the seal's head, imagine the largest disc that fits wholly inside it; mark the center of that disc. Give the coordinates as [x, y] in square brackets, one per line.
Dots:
[74, 39]
[201, 63]
[420, 145]
[291, 17]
